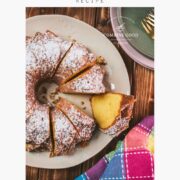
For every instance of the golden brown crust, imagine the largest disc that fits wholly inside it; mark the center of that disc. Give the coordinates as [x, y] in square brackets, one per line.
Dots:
[31, 147]
[46, 146]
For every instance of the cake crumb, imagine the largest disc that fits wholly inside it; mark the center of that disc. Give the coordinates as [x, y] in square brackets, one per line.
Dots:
[101, 60]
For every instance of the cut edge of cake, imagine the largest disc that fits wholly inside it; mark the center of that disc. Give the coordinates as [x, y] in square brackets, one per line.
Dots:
[121, 121]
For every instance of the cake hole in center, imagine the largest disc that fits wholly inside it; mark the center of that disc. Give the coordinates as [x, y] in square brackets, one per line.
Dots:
[46, 92]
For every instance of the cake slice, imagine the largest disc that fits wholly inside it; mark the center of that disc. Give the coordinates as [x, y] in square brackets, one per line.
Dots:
[84, 124]
[65, 135]
[89, 82]
[112, 112]
[76, 60]
[38, 129]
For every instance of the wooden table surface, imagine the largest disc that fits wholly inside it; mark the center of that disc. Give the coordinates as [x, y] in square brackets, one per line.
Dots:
[141, 79]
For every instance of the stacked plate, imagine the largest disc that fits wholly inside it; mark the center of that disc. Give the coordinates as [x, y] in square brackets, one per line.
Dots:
[131, 35]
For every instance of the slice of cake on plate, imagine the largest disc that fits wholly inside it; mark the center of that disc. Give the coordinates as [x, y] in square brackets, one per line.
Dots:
[65, 136]
[84, 124]
[112, 112]
[89, 82]
[76, 60]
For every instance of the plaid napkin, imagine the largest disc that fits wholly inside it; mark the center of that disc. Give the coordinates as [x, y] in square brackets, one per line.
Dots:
[132, 159]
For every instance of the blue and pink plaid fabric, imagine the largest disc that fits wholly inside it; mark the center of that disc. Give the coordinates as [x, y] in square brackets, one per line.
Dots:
[133, 158]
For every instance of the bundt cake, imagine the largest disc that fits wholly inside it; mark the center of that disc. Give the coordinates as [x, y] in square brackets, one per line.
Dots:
[89, 82]
[76, 70]
[77, 60]
[84, 124]
[47, 129]
[112, 112]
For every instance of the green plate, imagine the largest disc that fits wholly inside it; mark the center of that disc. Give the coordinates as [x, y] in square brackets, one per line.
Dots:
[130, 20]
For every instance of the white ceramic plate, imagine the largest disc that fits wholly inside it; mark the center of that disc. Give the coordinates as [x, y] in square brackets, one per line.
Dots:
[69, 27]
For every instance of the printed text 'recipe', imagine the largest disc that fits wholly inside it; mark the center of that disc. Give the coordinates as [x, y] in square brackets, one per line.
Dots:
[89, 1]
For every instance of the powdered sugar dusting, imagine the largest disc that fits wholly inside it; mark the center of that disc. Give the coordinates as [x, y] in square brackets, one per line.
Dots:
[90, 82]
[83, 123]
[65, 135]
[37, 125]
[76, 60]
[52, 50]
[31, 61]
[44, 52]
